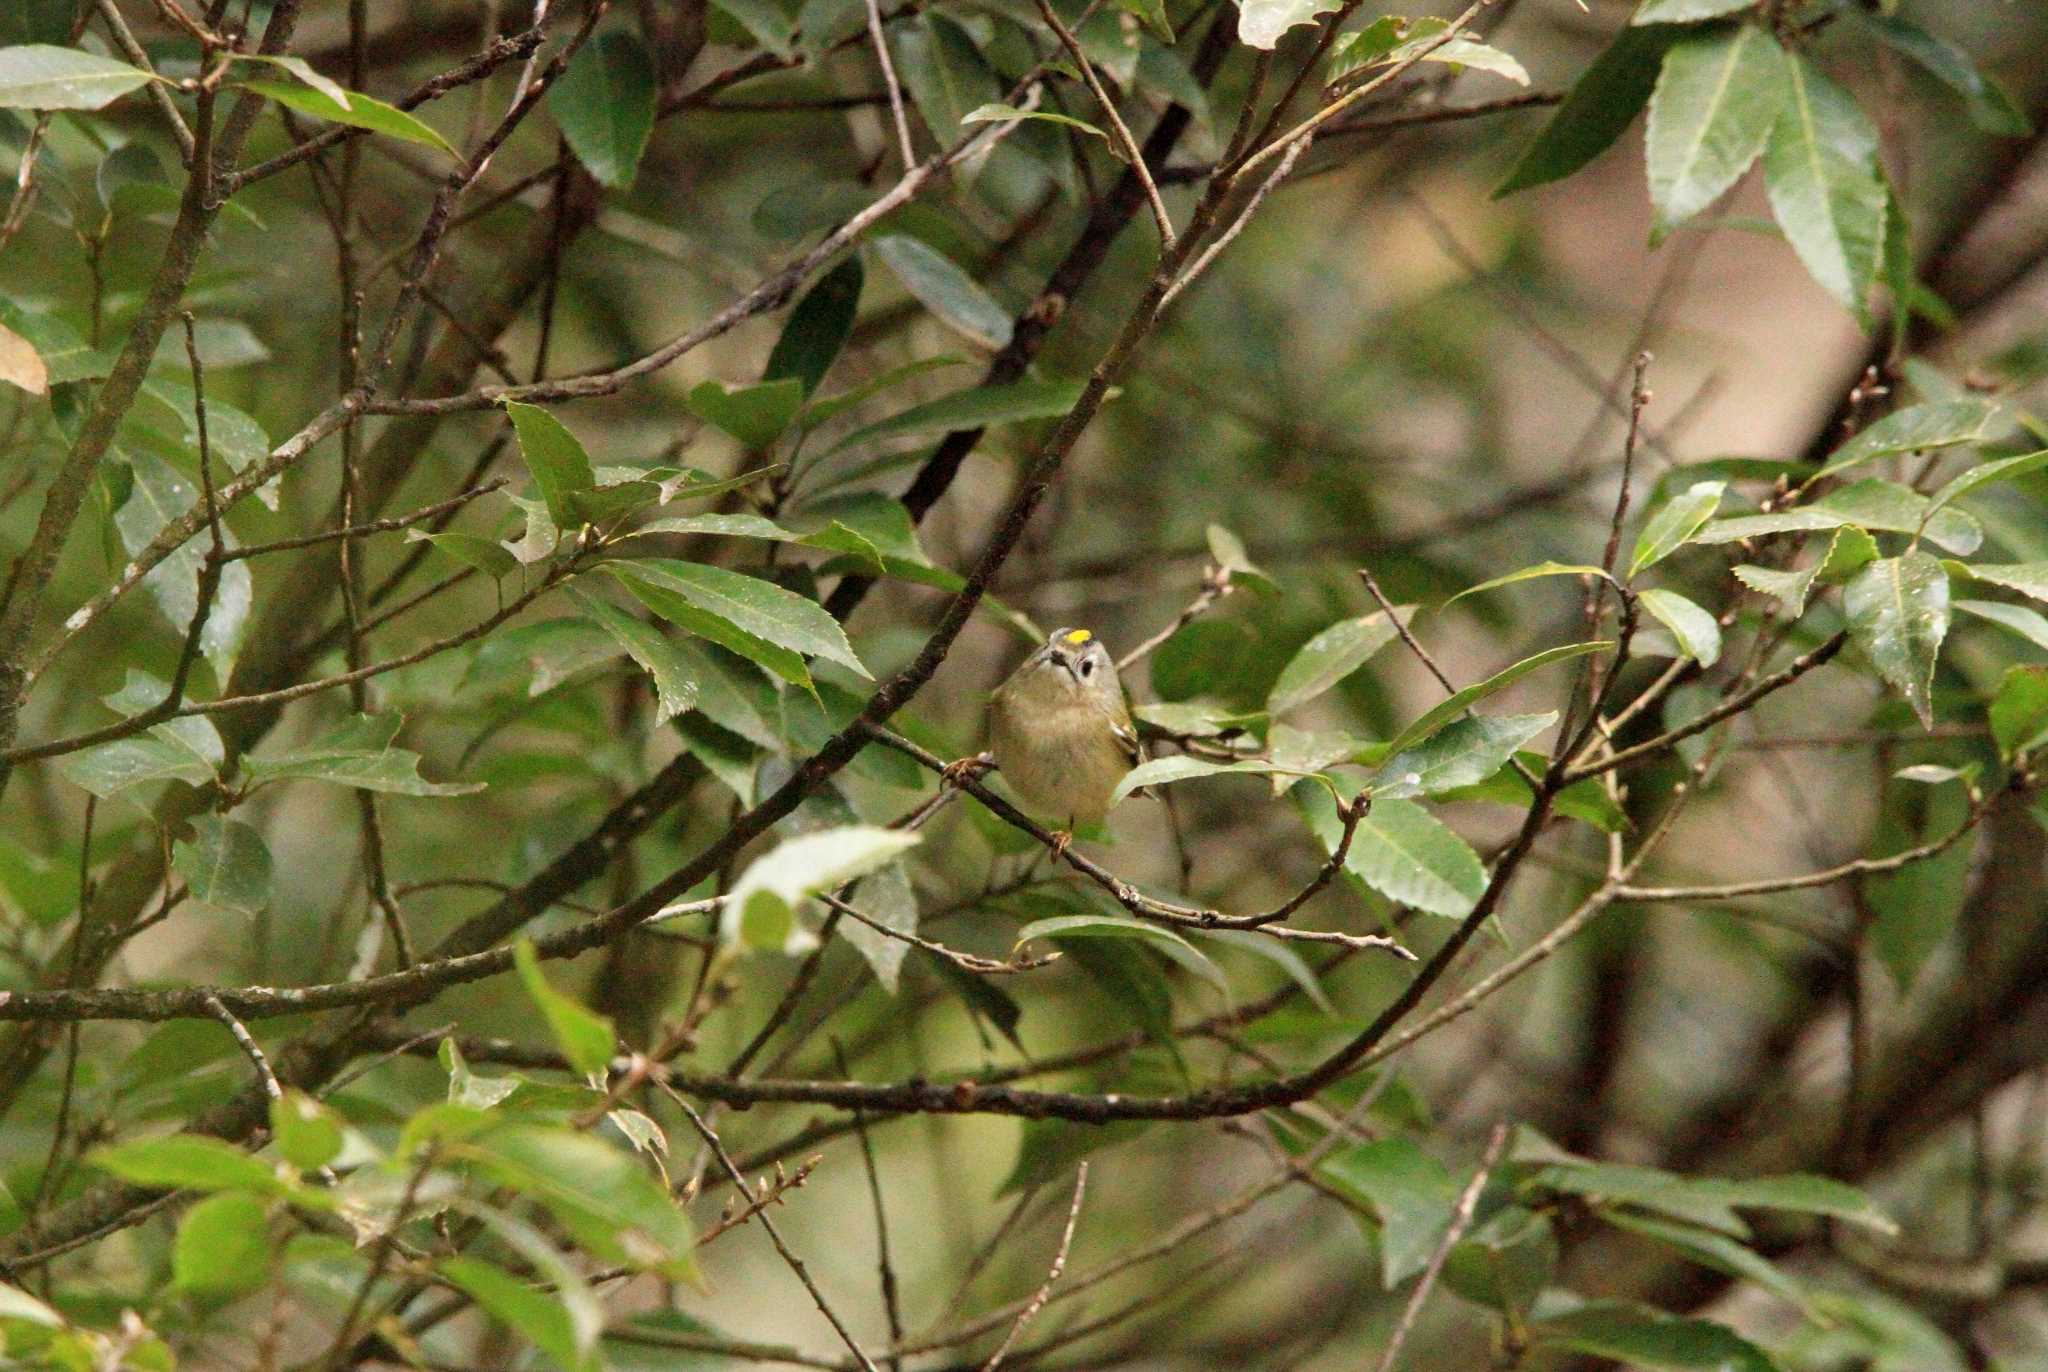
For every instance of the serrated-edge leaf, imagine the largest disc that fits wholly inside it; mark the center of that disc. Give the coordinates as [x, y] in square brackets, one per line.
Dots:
[1897, 608]
[1716, 99]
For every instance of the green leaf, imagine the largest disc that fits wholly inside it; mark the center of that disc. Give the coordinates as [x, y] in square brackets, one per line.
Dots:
[759, 608]
[1584, 800]
[233, 435]
[585, 1038]
[1821, 171]
[533, 1314]
[1789, 589]
[1899, 508]
[360, 112]
[943, 288]
[1673, 526]
[604, 105]
[162, 754]
[613, 499]
[1984, 474]
[1061, 928]
[603, 1196]
[668, 602]
[38, 76]
[943, 72]
[1363, 46]
[826, 407]
[886, 897]
[307, 1132]
[1917, 428]
[483, 554]
[1280, 954]
[1646, 1338]
[1991, 107]
[1696, 631]
[1458, 52]
[1530, 573]
[358, 754]
[223, 1247]
[63, 350]
[2018, 619]
[1913, 910]
[299, 67]
[1602, 103]
[755, 415]
[818, 327]
[1227, 551]
[1152, 14]
[1331, 656]
[542, 655]
[1462, 753]
[1000, 114]
[162, 494]
[2028, 578]
[1435, 719]
[1403, 852]
[765, 20]
[1717, 96]
[225, 864]
[1048, 1150]
[761, 910]
[1261, 22]
[1798, 1193]
[188, 1162]
[1162, 771]
[978, 408]
[1407, 1191]
[675, 686]
[1712, 1250]
[2019, 711]
[1866, 504]
[1686, 11]
[1647, 1188]
[38, 883]
[555, 457]
[1505, 1262]
[1897, 608]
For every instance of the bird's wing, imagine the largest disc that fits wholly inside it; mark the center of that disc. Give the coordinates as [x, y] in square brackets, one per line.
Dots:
[1119, 712]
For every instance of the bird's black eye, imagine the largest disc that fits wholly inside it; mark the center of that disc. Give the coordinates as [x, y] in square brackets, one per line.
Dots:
[1087, 666]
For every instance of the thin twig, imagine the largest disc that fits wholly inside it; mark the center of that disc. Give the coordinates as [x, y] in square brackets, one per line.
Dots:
[903, 141]
[1127, 146]
[795, 1264]
[1244, 217]
[1461, 1220]
[885, 1269]
[250, 1047]
[1059, 1265]
[1215, 585]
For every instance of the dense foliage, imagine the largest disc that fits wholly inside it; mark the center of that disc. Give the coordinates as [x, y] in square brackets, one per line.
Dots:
[509, 510]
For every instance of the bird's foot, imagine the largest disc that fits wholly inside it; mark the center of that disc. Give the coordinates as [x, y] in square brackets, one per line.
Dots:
[1062, 839]
[966, 769]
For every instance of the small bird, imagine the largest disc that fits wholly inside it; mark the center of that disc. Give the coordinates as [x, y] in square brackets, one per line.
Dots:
[1060, 730]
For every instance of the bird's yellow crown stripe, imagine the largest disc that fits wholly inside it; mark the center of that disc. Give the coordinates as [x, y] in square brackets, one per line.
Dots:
[1078, 636]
